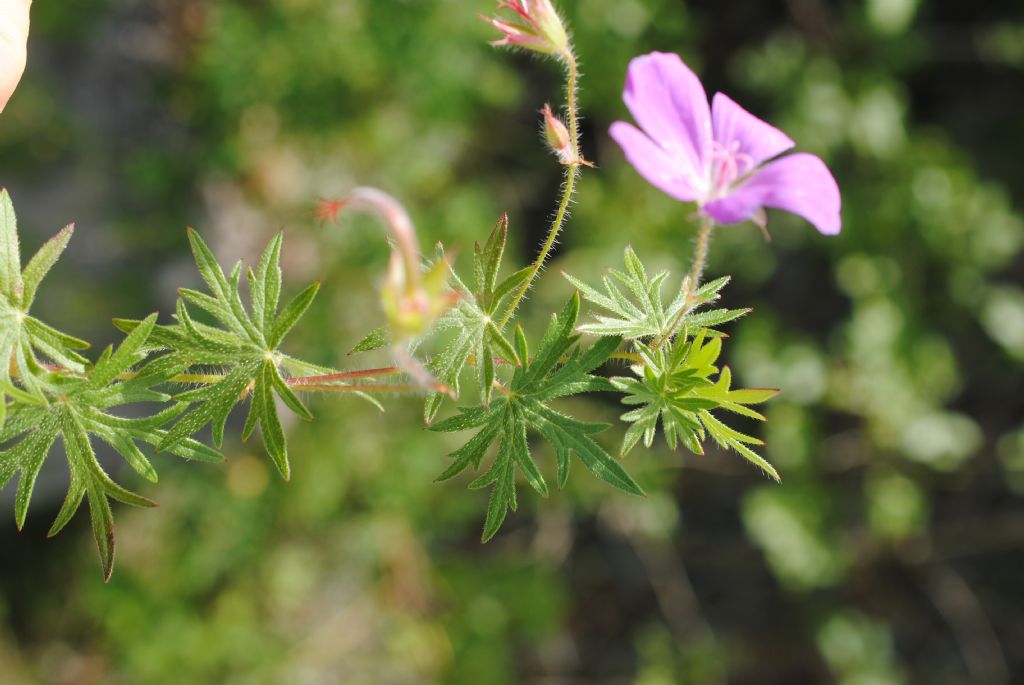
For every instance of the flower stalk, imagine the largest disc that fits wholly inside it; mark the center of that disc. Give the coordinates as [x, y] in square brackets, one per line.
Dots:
[572, 170]
[412, 299]
[700, 254]
[691, 284]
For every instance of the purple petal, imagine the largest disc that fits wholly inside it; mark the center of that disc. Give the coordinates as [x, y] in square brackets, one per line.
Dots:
[798, 183]
[757, 139]
[660, 170]
[669, 103]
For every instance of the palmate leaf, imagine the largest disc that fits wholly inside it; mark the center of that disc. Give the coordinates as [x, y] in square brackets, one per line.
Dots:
[243, 346]
[637, 308]
[24, 338]
[78, 413]
[475, 320]
[559, 369]
[675, 387]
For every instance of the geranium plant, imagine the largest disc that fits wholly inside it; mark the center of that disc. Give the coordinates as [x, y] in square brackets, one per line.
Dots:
[221, 351]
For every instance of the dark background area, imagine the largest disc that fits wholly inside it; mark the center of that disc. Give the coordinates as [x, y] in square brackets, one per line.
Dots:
[891, 552]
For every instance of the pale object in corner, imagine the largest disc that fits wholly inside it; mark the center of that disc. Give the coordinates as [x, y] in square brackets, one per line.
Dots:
[13, 40]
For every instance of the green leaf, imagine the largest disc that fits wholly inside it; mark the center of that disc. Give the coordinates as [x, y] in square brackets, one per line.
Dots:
[267, 285]
[42, 262]
[84, 412]
[209, 268]
[213, 405]
[503, 496]
[243, 346]
[24, 340]
[727, 437]
[674, 387]
[10, 255]
[108, 369]
[559, 369]
[477, 337]
[27, 457]
[270, 425]
[642, 313]
[285, 392]
[487, 260]
[378, 338]
[290, 315]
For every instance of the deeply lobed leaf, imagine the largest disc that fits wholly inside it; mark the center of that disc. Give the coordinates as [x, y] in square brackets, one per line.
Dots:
[559, 369]
[675, 387]
[637, 309]
[244, 346]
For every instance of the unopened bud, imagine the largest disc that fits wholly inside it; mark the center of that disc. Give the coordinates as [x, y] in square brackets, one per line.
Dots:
[557, 136]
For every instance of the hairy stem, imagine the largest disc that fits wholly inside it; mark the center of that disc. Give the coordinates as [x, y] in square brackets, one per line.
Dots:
[294, 381]
[700, 254]
[692, 281]
[360, 388]
[572, 170]
[343, 376]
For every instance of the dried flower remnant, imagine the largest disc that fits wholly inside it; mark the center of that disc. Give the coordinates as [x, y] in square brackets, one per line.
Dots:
[722, 157]
[412, 298]
[537, 27]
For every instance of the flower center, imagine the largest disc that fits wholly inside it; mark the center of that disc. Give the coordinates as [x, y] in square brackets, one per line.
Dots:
[728, 165]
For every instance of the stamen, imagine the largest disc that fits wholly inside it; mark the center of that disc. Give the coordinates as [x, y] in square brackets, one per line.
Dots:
[728, 165]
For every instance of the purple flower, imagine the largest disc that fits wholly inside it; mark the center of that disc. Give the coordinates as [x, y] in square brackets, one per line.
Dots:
[717, 157]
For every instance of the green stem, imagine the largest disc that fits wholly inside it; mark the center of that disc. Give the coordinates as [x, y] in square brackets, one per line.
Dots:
[343, 376]
[360, 388]
[211, 378]
[568, 187]
[692, 281]
[700, 255]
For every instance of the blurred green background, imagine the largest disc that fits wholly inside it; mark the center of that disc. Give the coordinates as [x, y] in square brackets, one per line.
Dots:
[891, 553]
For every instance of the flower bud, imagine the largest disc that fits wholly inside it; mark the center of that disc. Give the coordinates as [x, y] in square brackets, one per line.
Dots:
[538, 27]
[557, 136]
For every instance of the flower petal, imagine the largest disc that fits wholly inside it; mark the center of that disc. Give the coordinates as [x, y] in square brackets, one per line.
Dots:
[653, 163]
[668, 101]
[799, 183]
[13, 36]
[757, 139]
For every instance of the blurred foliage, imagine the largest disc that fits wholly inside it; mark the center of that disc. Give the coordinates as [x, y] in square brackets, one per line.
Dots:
[889, 554]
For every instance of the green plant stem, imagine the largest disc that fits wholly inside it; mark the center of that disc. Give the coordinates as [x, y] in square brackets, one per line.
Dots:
[344, 376]
[692, 281]
[295, 381]
[359, 388]
[700, 254]
[572, 170]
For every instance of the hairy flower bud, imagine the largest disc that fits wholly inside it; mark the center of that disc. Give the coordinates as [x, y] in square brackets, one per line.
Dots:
[557, 136]
[538, 27]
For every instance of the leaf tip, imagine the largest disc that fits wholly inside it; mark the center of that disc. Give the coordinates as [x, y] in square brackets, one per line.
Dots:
[108, 555]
